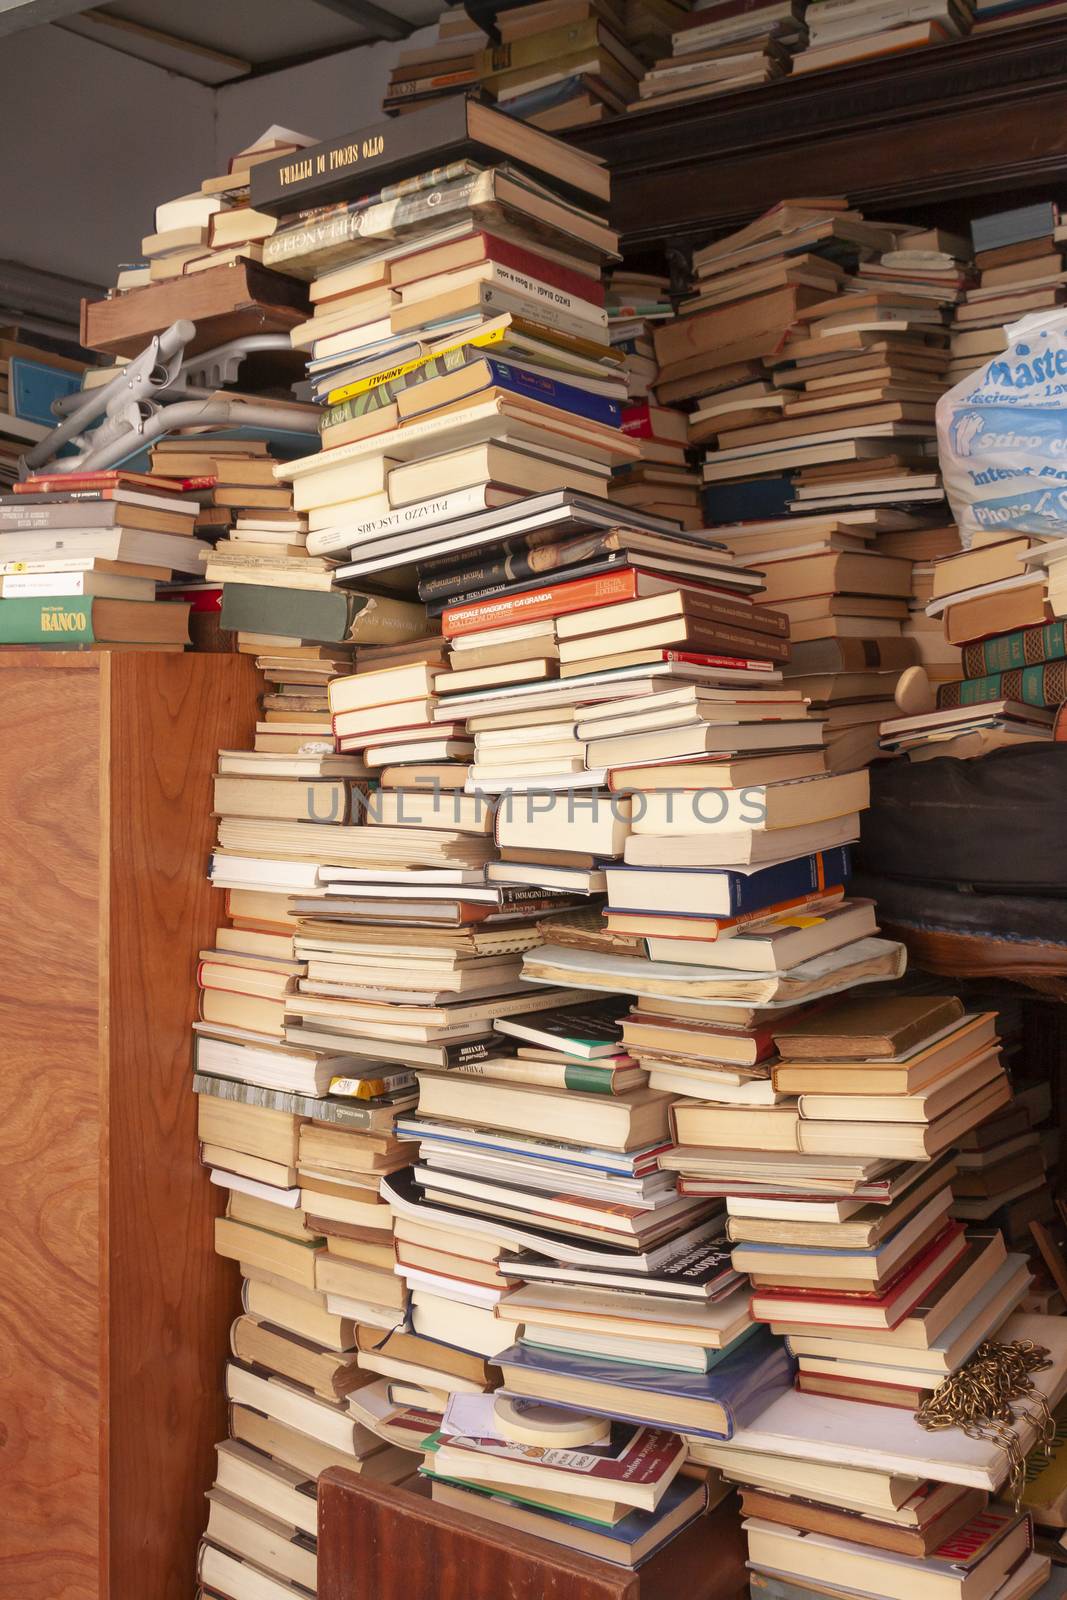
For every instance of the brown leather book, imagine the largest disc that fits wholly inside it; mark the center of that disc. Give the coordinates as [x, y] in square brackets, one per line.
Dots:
[871, 1027]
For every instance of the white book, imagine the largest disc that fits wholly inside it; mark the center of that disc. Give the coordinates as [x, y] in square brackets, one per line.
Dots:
[289, 1198]
[884, 1439]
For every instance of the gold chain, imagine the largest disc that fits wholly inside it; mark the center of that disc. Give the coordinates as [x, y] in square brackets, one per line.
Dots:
[978, 1400]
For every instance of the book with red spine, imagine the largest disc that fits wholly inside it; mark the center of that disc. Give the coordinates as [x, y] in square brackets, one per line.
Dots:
[49, 482]
[857, 1309]
[520, 259]
[603, 589]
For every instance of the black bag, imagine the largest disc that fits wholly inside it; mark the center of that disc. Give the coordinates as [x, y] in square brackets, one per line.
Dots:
[993, 825]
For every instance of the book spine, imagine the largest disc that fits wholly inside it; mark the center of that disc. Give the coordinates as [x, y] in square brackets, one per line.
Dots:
[510, 566]
[555, 600]
[406, 369]
[440, 80]
[1027, 647]
[565, 396]
[520, 259]
[1043, 685]
[825, 869]
[48, 623]
[317, 240]
[539, 47]
[373, 396]
[444, 508]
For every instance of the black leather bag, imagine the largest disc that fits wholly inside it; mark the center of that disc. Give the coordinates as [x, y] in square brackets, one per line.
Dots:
[994, 825]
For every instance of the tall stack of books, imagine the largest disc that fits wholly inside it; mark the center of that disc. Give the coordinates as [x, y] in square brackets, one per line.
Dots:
[663, 481]
[842, 31]
[450, 64]
[814, 348]
[880, 1297]
[82, 559]
[721, 47]
[1018, 255]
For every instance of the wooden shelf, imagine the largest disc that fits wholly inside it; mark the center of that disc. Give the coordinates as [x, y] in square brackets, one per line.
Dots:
[981, 116]
[115, 1308]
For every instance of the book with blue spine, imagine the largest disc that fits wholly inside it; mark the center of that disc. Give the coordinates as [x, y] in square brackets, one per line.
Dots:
[709, 1404]
[737, 891]
[532, 384]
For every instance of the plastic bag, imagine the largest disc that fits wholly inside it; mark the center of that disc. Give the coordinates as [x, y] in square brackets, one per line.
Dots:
[1002, 436]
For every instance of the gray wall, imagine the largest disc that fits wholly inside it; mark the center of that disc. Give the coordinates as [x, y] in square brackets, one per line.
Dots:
[91, 140]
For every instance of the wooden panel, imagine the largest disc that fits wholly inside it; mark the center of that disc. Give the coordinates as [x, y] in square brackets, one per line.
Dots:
[983, 116]
[50, 1128]
[378, 1542]
[172, 1299]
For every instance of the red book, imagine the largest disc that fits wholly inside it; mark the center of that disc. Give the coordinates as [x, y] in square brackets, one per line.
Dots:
[520, 259]
[819, 1308]
[605, 589]
[49, 482]
[199, 596]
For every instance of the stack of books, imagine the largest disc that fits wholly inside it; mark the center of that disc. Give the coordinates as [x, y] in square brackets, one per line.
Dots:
[1018, 256]
[842, 31]
[663, 480]
[1001, 1178]
[449, 64]
[213, 226]
[565, 63]
[991, 603]
[721, 47]
[815, 347]
[613, 1490]
[83, 557]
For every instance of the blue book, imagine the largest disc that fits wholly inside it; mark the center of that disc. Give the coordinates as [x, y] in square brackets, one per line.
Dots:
[728, 892]
[711, 1404]
[32, 386]
[535, 385]
[754, 501]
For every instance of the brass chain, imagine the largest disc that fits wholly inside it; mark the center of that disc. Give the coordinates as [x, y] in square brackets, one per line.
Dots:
[978, 1399]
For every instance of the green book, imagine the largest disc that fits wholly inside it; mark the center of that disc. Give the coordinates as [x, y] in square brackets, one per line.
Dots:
[1043, 685]
[1027, 647]
[331, 616]
[79, 623]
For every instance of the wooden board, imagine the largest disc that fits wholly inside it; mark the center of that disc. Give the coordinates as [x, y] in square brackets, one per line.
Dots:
[51, 1274]
[224, 302]
[114, 1310]
[979, 116]
[380, 1542]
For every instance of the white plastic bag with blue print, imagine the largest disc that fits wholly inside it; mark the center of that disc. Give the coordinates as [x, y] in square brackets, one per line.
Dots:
[1002, 436]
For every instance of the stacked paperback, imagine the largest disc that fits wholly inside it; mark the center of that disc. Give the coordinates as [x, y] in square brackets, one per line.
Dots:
[83, 559]
[841, 31]
[814, 348]
[721, 47]
[1018, 255]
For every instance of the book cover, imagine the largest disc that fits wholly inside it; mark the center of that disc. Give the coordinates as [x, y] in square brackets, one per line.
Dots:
[742, 1384]
[1041, 685]
[750, 891]
[634, 1455]
[391, 151]
[331, 616]
[1027, 647]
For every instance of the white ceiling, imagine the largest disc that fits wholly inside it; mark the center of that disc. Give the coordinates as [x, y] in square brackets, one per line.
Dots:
[220, 41]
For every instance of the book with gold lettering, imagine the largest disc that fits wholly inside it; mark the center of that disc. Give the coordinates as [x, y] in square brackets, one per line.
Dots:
[80, 623]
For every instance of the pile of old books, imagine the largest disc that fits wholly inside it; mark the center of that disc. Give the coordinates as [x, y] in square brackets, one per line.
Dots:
[213, 226]
[448, 64]
[83, 558]
[1018, 255]
[34, 371]
[841, 31]
[995, 605]
[721, 47]
[814, 349]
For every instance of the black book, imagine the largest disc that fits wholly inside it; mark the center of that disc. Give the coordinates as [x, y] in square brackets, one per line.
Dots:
[589, 1031]
[387, 152]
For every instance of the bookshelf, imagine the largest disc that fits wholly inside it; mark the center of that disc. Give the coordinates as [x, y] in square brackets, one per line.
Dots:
[981, 116]
[114, 1306]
